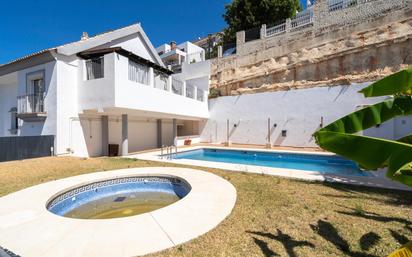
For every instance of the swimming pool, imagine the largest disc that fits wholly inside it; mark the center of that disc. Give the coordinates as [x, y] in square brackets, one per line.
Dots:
[323, 164]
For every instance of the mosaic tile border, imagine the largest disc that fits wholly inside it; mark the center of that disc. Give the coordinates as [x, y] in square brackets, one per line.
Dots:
[110, 182]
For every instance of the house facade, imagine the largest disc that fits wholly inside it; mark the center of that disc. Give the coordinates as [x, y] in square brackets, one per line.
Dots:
[110, 89]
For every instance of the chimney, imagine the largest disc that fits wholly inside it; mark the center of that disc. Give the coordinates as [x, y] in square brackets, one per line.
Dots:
[173, 45]
[85, 36]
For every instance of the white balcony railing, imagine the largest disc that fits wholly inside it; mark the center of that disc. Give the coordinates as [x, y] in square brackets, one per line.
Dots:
[276, 30]
[177, 86]
[190, 91]
[335, 5]
[32, 103]
[302, 19]
[200, 96]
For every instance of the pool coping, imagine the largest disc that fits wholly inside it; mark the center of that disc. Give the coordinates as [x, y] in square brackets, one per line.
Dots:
[29, 229]
[377, 178]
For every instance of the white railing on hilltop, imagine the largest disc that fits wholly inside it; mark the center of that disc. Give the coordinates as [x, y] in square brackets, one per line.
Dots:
[276, 30]
[335, 5]
[302, 19]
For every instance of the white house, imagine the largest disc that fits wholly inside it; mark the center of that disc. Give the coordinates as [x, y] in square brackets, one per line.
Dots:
[112, 88]
[174, 56]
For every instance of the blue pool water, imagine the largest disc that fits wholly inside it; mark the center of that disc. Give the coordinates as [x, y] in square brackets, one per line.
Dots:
[310, 162]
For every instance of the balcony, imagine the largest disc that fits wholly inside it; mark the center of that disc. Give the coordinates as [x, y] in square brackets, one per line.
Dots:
[31, 107]
[130, 85]
[175, 58]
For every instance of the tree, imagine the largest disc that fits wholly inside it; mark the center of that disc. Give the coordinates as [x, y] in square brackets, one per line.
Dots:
[373, 153]
[247, 14]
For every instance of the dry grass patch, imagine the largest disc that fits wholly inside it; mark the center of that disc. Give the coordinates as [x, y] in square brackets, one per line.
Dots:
[272, 217]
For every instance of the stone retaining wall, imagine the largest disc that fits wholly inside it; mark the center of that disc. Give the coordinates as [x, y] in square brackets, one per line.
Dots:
[355, 44]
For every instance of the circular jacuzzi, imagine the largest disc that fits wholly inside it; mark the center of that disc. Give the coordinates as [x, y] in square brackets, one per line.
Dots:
[197, 201]
[119, 197]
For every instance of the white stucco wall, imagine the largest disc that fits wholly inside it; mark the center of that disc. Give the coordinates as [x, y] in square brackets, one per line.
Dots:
[163, 48]
[133, 43]
[47, 127]
[97, 93]
[189, 47]
[196, 73]
[133, 95]
[297, 111]
[68, 77]
[8, 100]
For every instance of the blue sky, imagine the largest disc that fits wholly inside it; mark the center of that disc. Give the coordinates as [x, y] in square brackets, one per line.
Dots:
[31, 25]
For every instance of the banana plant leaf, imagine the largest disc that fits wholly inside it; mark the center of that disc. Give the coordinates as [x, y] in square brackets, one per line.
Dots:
[371, 153]
[406, 139]
[395, 84]
[372, 115]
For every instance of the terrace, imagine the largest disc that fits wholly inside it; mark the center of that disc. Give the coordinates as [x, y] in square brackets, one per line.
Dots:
[273, 216]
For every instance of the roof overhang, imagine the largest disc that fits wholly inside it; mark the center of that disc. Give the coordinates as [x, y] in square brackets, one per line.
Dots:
[100, 52]
[70, 49]
[84, 45]
[27, 62]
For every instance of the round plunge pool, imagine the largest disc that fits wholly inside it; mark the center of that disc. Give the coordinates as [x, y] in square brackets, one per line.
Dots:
[119, 197]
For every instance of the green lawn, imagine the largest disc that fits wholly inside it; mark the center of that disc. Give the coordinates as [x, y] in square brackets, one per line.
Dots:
[272, 217]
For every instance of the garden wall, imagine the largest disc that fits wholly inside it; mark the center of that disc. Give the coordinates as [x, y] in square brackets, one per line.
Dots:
[298, 112]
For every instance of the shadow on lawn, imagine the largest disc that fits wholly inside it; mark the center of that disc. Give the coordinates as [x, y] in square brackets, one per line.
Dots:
[401, 239]
[287, 241]
[384, 196]
[328, 232]
[376, 217]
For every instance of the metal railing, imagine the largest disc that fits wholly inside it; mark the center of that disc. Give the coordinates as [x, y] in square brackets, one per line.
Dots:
[32, 103]
[200, 96]
[172, 63]
[169, 151]
[302, 19]
[190, 91]
[276, 30]
[335, 5]
[177, 86]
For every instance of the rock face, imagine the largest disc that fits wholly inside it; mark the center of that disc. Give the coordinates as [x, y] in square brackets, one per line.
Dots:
[366, 47]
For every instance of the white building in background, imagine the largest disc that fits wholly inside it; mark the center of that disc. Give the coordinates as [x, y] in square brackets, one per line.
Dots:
[112, 88]
[174, 56]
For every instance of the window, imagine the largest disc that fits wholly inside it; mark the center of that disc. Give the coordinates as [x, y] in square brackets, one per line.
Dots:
[14, 122]
[33, 101]
[35, 83]
[138, 73]
[95, 68]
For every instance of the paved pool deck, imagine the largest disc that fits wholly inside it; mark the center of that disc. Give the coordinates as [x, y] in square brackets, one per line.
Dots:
[376, 178]
[28, 229]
